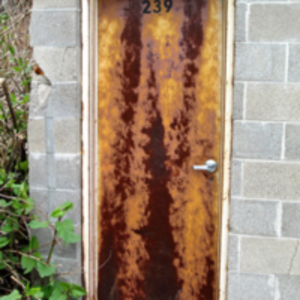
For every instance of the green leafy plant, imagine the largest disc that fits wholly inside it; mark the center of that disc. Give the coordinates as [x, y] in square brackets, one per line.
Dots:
[20, 257]
[24, 272]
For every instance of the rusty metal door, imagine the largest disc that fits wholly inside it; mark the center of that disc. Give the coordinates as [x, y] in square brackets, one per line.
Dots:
[159, 113]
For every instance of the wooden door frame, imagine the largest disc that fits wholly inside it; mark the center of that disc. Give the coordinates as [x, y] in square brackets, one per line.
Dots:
[89, 18]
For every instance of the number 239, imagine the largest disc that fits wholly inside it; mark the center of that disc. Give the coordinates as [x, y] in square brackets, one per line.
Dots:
[167, 3]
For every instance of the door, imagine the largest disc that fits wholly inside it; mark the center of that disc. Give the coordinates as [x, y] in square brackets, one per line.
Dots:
[159, 114]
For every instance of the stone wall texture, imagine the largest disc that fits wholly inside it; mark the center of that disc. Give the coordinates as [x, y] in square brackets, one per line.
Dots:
[55, 120]
[264, 252]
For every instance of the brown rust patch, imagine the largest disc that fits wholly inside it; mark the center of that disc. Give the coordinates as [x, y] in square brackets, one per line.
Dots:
[159, 113]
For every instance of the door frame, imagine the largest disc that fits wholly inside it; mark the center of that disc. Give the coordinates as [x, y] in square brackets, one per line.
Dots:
[89, 20]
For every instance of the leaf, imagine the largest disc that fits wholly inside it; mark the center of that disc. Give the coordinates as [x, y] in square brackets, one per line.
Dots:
[24, 165]
[5, 204]
[13, 98]
[34, 244]
[45, 270]
[3, 242]
[11, 49]
[66, 206]
[77, 291]
[15, 295]
[57, 291]
[36, 224]
[28, 264]
[2, 262]
[57, 213]
[35, 291]
[65, 230]
[61, 210]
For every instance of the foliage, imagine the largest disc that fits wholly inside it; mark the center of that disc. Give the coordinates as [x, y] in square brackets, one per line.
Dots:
[24, 272]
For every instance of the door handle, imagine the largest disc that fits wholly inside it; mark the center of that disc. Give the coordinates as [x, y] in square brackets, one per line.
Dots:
[210, 166]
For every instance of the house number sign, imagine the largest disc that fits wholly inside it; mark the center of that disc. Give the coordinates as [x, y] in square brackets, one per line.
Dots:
[157, 6]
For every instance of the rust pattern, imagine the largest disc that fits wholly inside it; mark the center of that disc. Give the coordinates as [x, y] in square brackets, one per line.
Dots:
[159, 113]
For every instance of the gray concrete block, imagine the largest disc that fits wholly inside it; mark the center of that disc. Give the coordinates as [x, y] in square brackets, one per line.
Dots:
[257, 140]
[36, 135]
[233, 252]
[63, 251]
[40, 198]
[59, 64]
[291, 220]
[68, 171]
[250, 286]
[292, 142]
[294, 63]
[37, 171]
[54, 28]
[69, 270]
[259, 62]
[253, 217]
[44, 236]
[289, 287]
[39, 98]
[236, 178]
[56, 4]
[274, 22]
[238, 101]
[66, 100]
[240, 22]
[273, 102]
[271, 180]
[266, 255]
[67, 135]
[74, 196]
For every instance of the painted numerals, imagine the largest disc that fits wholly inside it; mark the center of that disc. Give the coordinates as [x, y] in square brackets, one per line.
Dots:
[157, 6]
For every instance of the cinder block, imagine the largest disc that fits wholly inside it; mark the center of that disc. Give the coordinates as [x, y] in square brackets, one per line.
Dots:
[67, 135]
[69, 270]
[36, 135]
[39, 98]
[273, 102]
[259, 62]
[68, 171]
[37, 171]
[233, 252]
[44, 236]
[257, 140]
[250, 286]
[271, 180]
[266, 255]
[40, 198]
[253, 217]
[274, 22]
[240, 22]
[74, 196]
[65, 100]
[56, 4]
[294, 63]
[238, 101]
[54, 28]
[59, 64]
[63, 251]
[289, 287]
[291, 220]
[236, 178]
[292, 142]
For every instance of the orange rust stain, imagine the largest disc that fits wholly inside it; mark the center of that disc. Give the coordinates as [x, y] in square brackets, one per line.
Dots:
[159, 100]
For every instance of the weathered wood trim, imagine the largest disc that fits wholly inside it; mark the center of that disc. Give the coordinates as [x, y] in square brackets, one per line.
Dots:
[227, 141]
[89, 145]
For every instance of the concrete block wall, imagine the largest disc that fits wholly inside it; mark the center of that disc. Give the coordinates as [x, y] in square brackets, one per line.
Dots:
[264, 252]
[54, 132]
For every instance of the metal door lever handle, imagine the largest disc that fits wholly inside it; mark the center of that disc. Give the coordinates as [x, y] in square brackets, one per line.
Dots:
[210, 166]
